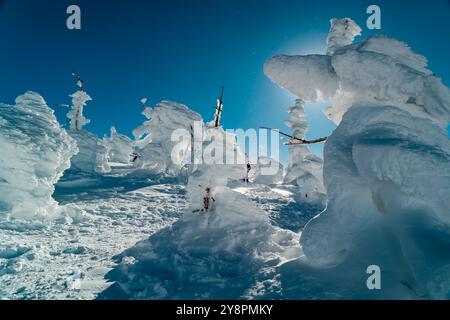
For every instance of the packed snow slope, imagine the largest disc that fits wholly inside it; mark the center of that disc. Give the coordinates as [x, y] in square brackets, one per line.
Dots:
[386, 171]
[35, 151]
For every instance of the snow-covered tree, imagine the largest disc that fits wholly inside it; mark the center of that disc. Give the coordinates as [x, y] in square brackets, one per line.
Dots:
[35, 151]
[92, 156]
[119, 146]
[385, 166]
[305, 168]
[154, 137]
[75, 115]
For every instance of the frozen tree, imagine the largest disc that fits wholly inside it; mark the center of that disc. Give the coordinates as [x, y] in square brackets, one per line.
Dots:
[119, 146]
[35, 151]
[385, 166]
[79, 101]
[305, 168]
[92, 156]
[154, 137]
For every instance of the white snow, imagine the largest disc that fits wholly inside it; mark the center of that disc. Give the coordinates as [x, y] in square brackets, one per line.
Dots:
[268, 171]
[119, 147]
[77, 119]
[93, 154]
[342, 33]
[154, 137]
[305, 170]
[385, 171]
[35, 151]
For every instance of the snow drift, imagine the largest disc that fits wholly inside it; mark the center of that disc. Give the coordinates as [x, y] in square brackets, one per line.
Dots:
[35, 151]
[385, 166]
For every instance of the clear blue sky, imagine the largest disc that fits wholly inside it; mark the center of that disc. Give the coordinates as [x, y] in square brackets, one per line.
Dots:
[185, 50]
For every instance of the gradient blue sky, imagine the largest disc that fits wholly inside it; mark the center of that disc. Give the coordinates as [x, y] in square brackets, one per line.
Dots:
[185, 50]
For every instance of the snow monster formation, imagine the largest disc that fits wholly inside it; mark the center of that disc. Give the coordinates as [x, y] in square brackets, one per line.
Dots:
[154, 137]
[261, 177]
[92, 155]
[35, 151]
[225, 252]
[305, 168]
[119, 147]
[386, 170]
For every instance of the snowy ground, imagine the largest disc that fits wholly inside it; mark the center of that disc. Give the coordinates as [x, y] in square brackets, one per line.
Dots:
[69, 261]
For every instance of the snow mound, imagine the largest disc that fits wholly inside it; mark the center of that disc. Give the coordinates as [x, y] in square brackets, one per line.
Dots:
[215, 255]
[154, 137]
[218, 253]
[119, 147]
[35, 153]
[385, 171]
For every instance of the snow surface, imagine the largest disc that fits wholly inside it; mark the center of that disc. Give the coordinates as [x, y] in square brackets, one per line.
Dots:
[35, 151]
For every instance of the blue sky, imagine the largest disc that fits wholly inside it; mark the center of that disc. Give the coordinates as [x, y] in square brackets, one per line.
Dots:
[185, 50]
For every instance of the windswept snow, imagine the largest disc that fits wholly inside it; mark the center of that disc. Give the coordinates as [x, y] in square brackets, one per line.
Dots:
[75, 115]
[92, 156]
[35, 151]
[69, 259]
[119, 147]
[385, 171]
[154, 137]
[139, 233]
[305, 169]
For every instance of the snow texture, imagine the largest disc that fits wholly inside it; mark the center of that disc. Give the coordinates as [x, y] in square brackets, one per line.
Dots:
[154, 138]
[305, 169]
[93, 154]
[75, 115]
[385, 171]
[261, 176]
[119, 147]
[35, 151]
